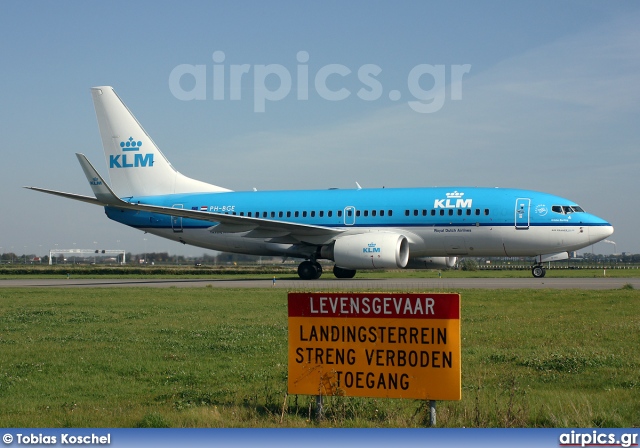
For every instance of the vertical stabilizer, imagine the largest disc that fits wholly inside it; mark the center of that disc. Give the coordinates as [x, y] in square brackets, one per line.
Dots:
[136, 165]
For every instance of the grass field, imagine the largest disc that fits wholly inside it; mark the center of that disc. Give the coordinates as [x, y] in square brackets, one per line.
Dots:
[206, 357]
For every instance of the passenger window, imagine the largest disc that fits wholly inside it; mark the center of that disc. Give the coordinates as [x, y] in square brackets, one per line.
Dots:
[321, 213]
[357, 212]
[366, 213]
[415, 213]
[288, 214]
[406, 213]
[373, 213]
[329, 213]
[433, 213]
[486, 212]
[296, 214]
[477, 212]
[390, 213]
[450, 212]
[304, 214]
[313, 214]
[468, 212]
[441, 212]
[459, 212]
[339, 213]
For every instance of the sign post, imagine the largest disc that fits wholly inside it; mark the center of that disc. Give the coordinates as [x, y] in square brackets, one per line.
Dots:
[375, 345]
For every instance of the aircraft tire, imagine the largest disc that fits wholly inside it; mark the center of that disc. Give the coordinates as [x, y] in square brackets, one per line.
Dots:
[343, 272]
[538, 271]
[318, 268]
[309, 270]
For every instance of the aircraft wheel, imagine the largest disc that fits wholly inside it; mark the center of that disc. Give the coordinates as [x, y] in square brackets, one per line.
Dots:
[343, 272]
[309, 270]
[538, 271]
[318, 268]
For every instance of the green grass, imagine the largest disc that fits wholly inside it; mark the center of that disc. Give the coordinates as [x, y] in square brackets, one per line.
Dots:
[207, 357]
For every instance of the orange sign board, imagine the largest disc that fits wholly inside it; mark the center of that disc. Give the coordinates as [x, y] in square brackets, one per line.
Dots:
[375, 345]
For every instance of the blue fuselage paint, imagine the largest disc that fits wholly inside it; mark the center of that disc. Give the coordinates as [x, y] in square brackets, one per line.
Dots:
[478, 222]
[375, 208]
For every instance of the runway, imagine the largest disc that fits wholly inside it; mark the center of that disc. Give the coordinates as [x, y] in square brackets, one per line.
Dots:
[290, 284]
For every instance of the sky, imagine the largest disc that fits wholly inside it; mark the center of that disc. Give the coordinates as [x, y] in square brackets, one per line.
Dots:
[535, 95]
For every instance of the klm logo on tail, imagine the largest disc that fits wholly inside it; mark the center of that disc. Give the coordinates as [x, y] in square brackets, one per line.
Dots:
[137, 160]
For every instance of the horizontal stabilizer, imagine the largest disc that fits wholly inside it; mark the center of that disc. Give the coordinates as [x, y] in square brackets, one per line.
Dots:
[77, 197]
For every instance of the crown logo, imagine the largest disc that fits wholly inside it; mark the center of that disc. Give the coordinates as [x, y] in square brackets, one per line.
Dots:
[372, 245]
[454, 195]
[131, 145]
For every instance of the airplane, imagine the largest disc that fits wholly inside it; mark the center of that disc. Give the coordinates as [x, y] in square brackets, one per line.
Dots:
[360, 228]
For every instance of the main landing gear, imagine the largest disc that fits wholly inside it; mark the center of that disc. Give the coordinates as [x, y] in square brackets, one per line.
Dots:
[309, 270]
[538, 271]
[343, 272]
[312, 270]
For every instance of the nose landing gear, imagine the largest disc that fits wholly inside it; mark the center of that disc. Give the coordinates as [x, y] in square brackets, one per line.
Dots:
[538, 271]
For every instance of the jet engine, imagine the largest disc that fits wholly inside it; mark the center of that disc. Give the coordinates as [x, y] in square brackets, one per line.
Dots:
[432, 263]
[382, 250]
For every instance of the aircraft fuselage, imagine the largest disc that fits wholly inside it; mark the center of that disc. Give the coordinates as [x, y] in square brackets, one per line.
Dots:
[461, 221]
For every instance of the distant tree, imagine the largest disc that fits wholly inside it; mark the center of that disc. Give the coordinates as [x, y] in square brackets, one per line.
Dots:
[469, 264]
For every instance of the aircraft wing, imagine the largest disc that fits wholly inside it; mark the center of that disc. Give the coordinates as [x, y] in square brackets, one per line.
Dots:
[285, 232]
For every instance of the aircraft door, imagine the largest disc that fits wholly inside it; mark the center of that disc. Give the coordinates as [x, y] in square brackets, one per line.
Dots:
[349, 215]
[176, 221]
[523, 207]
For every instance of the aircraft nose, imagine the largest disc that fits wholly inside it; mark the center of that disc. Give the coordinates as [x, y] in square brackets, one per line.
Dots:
[598, 233]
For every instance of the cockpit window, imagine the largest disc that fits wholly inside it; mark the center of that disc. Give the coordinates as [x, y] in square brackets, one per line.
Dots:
[567, 209]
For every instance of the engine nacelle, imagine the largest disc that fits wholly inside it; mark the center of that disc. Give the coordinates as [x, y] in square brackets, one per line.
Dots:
[382, 250]
[432, 263]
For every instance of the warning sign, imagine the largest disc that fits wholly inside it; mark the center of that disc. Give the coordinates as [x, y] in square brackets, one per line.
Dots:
[375, 345]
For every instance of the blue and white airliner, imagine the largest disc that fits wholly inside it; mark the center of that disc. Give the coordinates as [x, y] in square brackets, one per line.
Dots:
[388, 228]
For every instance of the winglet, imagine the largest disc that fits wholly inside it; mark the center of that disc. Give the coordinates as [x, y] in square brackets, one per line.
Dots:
[103, 192]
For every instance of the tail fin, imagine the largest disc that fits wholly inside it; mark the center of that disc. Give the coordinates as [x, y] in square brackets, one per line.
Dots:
[136, 165]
